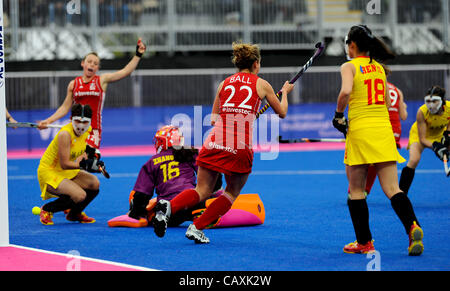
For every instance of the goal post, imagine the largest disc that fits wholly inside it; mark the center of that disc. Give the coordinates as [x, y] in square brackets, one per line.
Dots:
[4, 219]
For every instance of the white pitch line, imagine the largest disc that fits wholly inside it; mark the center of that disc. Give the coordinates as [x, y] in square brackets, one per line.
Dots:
[256, 173]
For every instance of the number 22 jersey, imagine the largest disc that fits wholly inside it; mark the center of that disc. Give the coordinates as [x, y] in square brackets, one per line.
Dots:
[228, 148]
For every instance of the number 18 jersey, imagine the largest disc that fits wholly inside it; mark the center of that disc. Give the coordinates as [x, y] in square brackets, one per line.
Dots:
[367, 106]
[370, 138]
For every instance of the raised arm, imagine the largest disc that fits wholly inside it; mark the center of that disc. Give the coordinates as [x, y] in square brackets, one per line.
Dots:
[265, 90]
[62, 110]
[125, 71]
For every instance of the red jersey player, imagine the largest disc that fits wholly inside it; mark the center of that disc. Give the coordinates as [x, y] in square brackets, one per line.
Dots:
[397, 111]
[228, 148]
[90, 88]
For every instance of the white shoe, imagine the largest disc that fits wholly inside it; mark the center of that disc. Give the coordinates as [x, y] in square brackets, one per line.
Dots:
[198, 236]
[162, 215]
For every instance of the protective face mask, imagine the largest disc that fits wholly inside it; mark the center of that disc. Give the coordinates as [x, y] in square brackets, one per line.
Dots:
[346, 48]
[80, 127]
[433, 106]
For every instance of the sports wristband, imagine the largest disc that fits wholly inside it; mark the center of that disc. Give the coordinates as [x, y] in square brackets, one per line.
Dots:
[138, 54]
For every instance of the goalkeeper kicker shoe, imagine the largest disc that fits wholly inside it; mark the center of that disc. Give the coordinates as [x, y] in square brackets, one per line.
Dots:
[196, 235]
[162, 215]
[356, 248]
[415, 240]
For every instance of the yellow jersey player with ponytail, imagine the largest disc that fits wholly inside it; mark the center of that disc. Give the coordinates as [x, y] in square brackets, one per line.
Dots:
[59, 172]
[369, 138]
[368, 111]
[431, 130]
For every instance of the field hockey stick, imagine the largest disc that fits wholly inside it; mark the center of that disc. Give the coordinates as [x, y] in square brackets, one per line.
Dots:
[30, 125]
[447, 170]
[300, 140]
[320, 48]
[104, 172]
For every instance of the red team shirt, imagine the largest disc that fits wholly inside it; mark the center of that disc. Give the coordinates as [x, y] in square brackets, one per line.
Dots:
[394, 114]
[91, 93]
[228, 148]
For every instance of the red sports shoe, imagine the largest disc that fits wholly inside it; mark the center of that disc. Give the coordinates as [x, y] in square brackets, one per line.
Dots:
[415, 240]
[356, 248]
[46, 217]
[81, 217]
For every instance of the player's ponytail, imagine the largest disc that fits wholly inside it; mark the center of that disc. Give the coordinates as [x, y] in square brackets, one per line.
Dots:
[380, 51]
[367, 42]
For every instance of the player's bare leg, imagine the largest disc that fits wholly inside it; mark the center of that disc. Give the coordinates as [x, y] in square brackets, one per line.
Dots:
[206, 180]
[74, 195]
[217, 208]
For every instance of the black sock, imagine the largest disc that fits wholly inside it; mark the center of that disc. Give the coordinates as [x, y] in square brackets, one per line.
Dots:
[359, 212]
[79, 207]
[404, 209]
[138, 205]
[406, 179]
[62, 203]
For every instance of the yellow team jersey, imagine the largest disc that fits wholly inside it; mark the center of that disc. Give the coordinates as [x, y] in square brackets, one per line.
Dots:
[49, 170]
[436, 124]
[370, 138]
[366, 105]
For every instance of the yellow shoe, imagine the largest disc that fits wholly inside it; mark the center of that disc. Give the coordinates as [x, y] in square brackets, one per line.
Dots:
[415, 240]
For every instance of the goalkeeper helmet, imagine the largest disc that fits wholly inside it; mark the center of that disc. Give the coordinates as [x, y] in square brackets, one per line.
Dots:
[168, 136]
[435, 99]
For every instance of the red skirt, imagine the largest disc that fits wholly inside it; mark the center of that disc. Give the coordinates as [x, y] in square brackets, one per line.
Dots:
[228, 162]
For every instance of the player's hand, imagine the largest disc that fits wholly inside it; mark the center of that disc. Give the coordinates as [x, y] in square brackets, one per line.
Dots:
[12, 120]
[43, 124]
[340, 122]
[91, 165]
[140, 48]
[287, 87]
[446, 138]
[440, 150]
